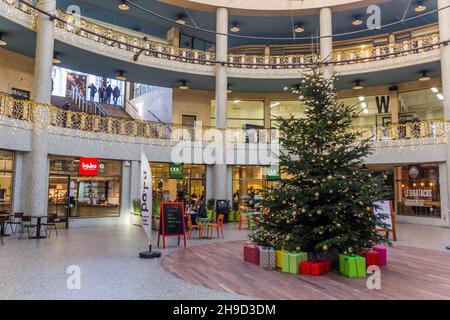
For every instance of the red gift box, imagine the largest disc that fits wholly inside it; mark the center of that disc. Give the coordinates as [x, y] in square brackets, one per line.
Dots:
[373, 258]
[251, 253]
[383, 253]
[315, 268]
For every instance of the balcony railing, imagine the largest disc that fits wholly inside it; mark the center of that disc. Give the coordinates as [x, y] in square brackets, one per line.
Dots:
[425, 132]
[137, 46]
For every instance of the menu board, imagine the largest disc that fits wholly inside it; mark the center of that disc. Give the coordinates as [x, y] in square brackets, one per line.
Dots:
[172, 214]
[383, 209]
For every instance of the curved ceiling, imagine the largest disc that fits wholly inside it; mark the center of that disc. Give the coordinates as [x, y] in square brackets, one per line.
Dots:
[399, 14]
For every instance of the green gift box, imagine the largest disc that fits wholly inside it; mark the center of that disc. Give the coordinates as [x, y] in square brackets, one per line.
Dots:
[286, 262]
[352, 266]
[295, 259]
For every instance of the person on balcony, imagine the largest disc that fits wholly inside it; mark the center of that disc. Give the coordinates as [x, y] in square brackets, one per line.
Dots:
[116, 95]
[109, 91]
[101, 93]
[93, 91]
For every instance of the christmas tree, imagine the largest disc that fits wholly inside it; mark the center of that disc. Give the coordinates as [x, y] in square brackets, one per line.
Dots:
[325, 205]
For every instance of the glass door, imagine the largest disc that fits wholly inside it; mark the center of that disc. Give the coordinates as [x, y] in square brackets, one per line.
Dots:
[60, 192]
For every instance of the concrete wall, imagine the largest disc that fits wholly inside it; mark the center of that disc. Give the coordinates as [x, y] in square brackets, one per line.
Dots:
[16, 71]
[155, 105]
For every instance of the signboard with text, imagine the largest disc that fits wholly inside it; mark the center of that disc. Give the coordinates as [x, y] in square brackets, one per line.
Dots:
[88, 167]
[172, 221]
[175, 171]
[273, 173]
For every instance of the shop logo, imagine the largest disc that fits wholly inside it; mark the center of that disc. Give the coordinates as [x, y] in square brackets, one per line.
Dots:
[413, 172]
[88, 167]
[175, 171]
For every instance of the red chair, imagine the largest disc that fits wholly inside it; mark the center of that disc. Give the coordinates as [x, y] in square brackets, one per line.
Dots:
[218, 225]
[192, 227]
[243, 217]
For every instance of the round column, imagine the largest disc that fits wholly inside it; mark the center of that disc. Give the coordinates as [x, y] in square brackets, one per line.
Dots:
[36, 197]
[326, 39]
[444, 29]
[219, 175]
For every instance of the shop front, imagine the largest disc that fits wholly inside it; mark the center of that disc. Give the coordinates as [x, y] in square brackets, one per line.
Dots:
[6, 180]
[84, 187]
[174, 181]
[418, 191]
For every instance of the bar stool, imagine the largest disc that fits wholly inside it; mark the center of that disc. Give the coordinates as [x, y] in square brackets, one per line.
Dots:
[16, 220]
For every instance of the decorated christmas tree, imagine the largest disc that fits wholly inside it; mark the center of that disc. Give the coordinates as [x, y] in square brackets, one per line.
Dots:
[325, 203]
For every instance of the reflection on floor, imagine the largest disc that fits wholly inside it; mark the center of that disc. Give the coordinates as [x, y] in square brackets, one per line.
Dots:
[107, 253]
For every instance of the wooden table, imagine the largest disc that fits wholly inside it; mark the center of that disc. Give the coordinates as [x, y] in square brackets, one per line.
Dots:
[38, 227]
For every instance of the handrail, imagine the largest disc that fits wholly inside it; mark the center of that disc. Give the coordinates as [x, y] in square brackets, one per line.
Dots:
[84, 105]
[425, 132]
[154, 49]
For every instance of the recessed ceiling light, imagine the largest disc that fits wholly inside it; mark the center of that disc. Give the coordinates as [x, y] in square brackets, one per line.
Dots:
[124, 5]
[425, 77]
[2, 41]
[435, 90]
[357, 21]
[358, 85]
[183, 86]
[121, 76]
[236, 101]
[235, 28]
[299, 28]
[180, 19]
[420, 7]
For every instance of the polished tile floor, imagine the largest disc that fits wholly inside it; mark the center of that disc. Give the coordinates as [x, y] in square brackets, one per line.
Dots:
[106, 253]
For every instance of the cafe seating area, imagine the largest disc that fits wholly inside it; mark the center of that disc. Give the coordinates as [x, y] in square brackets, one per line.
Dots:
[35, 227]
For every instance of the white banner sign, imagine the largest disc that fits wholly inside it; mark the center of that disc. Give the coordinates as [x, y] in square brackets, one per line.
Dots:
[383, 209]
[146, 196]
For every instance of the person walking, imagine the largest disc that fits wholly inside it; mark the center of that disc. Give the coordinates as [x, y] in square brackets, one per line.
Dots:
[116, 95]
[93, 91]
[101, 94]
[109, 91]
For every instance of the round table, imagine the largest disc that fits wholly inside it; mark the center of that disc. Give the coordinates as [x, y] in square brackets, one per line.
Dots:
[38, 226]
[204, 223]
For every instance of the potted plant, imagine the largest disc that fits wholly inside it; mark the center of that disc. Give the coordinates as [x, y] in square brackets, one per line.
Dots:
[210, 204]
[136, 218]
[156, 214]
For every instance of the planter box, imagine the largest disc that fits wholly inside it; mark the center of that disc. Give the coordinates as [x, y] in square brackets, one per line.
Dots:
[136, 219]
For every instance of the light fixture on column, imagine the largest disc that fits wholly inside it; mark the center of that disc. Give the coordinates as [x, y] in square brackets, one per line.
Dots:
[299, 28]
[180, 19]
[358, 85]
[420, 7]
[424, 77]
[357, 21]
[2, 41]
[235, 28]
[183, 85]
[124, 5]
[121, 76]
[56, 58]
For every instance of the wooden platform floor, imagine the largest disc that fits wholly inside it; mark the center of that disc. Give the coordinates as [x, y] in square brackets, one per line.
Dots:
[412, 273]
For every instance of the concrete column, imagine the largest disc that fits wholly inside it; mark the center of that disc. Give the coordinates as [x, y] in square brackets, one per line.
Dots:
[267, 114]
[17, 204]
[36, 162]
[219, 176]
[444, 29]
[326, 40]
[125, 193]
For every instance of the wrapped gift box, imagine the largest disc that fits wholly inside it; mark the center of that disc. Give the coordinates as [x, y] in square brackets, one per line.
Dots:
[315, 268]
[382, 250]
[295, 259]
[251, 253]
[352, 266]
[285, 266]
[305, 267]
[372, 258]
[279, 258]
[267, 258]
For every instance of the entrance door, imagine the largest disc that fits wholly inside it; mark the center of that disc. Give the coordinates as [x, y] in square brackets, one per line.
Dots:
[60, 192]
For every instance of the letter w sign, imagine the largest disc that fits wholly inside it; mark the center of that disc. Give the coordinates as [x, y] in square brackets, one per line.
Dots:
[383, 103]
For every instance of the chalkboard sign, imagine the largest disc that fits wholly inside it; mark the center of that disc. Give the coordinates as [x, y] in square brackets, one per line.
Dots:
[172, 222]
[384, 210]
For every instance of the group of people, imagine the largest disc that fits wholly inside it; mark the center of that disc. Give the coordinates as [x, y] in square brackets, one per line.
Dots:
[105, 93]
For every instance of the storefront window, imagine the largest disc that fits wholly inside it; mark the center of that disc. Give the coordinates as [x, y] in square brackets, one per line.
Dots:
[86, 196]
[242, 114]
[285, 110]
[418, 190]
[6, 179]
[422, 104]
[372, 110]
[191, 185]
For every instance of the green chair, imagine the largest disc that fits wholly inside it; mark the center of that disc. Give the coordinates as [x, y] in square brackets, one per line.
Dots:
[209, 214]
[251, 219]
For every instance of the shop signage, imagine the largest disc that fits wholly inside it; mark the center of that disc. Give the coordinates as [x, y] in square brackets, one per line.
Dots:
[419, 193]
[273, 173]
[20, 94]
[413, 172]
[383, 104]
[172, 222]
[175, 171]
[88, 167]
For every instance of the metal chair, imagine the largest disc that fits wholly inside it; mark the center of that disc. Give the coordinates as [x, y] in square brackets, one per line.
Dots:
[27, 224]
[2, 222]
[16, 220]
[52, 218]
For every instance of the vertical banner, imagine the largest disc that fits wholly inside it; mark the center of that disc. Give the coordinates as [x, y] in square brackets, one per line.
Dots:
[146, 196]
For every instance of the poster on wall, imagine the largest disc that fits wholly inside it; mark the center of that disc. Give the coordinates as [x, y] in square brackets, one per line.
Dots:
[76, 81]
